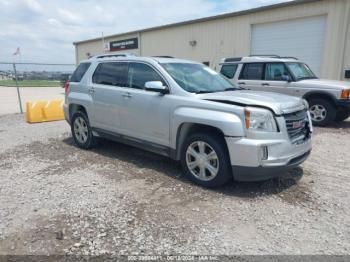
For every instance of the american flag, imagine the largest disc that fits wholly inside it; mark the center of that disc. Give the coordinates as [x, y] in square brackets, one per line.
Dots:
[18, 51]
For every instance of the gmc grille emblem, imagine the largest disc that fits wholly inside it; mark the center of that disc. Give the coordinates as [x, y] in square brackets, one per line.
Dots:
[297, 124]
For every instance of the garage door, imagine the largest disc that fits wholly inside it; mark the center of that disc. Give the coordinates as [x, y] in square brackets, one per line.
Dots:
[302, 38]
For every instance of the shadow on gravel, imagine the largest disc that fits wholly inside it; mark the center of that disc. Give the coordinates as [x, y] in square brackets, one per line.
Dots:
[286, 187]
[336, 125]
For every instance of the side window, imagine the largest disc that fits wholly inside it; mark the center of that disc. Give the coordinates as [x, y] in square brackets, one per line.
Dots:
[252, 71]
[229, 70]
[79, 72]
[114, 74]
[275, 71]
[140, 73]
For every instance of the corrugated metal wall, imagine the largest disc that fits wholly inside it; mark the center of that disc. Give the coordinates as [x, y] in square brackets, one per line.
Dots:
[231, 36]
[347, 43]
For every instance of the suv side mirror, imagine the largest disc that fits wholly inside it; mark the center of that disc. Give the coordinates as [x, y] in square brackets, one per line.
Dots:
[287, 78]
[156, 86]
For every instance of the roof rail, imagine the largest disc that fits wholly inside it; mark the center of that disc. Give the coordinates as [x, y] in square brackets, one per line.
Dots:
[232, 59]
[289, 57]
[112, 55]
[275, 56]
[271, 56]
[162, 56]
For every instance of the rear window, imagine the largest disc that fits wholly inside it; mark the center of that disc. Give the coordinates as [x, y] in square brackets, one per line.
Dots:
[79, 72]
[253, 71]
[114, 74]
[229, 70]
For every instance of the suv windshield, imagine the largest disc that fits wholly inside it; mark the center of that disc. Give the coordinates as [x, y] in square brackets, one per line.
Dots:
[301, 71]
[197, 78]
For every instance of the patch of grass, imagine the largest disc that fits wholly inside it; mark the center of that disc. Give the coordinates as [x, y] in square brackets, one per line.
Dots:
[30, 83]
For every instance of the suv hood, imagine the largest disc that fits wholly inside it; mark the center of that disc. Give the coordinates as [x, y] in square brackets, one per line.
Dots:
[278, 103]
[324, 83]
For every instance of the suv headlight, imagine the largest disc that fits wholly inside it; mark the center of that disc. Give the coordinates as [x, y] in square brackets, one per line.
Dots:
[258, 119]
[306, 104]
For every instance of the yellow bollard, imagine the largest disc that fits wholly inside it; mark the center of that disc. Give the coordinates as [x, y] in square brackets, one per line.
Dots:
[44, 111]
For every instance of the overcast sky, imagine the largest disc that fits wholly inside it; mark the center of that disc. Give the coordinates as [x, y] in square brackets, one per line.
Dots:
[45, 29]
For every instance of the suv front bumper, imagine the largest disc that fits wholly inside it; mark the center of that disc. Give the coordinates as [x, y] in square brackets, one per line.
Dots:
[345, 103]
[250, 162]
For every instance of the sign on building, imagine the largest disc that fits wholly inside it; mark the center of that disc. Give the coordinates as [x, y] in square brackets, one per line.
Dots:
[132, 43]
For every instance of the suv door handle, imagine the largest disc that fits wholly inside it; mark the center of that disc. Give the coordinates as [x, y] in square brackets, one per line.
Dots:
[241, 83]
[91, 90]
[265, 84]
[127, 95]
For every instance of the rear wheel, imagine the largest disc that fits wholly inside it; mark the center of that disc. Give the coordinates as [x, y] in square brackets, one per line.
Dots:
[322, 112]
[205, 160]
[342, 115]
[81, 131]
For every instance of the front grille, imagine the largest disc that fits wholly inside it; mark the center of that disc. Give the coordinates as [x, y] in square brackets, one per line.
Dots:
[298, 126]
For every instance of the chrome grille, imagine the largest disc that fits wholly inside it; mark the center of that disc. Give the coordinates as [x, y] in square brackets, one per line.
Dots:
[298, 126]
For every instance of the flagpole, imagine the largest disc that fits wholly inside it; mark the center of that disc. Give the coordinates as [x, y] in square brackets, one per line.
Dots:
[103, 44]
[18, 52]
[18, 93]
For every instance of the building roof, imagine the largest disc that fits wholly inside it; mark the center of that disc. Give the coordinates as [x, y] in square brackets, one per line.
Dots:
[205, 19]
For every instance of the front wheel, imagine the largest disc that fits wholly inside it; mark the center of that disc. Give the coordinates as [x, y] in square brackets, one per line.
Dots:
[81, 131]
[205, 160]
[322, 112]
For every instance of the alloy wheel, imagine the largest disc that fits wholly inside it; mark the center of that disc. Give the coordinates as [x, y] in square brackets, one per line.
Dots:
[318, 113]
[202, 161]
[81, 130]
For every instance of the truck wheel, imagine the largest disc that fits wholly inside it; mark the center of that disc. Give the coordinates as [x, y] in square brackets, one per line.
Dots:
[81, 131]
[205, 160]
[322, 112]
[342, 115]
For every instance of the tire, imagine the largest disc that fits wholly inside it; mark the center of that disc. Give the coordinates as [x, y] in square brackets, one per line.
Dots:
[322, 112]
[81, 131]
[220, 164]
[342, 115]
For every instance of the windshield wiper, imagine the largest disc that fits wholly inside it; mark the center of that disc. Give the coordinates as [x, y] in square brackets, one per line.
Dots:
[307, 77]
[204, 92]
[218, 91]
[235, 88]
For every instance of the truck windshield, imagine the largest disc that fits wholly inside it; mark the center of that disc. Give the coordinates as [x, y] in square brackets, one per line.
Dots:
[301, 71]
[197, 78]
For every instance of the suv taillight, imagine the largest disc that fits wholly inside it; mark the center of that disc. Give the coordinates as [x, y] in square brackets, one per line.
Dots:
[66, 87]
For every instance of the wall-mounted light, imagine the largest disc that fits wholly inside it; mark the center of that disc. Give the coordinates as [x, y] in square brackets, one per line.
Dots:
[193, 43]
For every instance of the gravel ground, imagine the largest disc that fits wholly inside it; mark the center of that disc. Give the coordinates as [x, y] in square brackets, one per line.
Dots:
[57, 199]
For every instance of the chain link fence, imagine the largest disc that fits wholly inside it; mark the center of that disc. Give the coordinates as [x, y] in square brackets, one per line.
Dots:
[23, 82]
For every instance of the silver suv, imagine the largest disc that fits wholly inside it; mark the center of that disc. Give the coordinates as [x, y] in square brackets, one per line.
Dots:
[329, 100]
[188, 112]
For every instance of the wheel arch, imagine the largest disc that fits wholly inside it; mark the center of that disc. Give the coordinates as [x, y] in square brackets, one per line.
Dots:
[186, 129]
[320, 95]
[73, 108]
[188, 119]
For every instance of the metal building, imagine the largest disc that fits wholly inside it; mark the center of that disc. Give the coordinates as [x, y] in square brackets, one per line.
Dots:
[316, 31]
